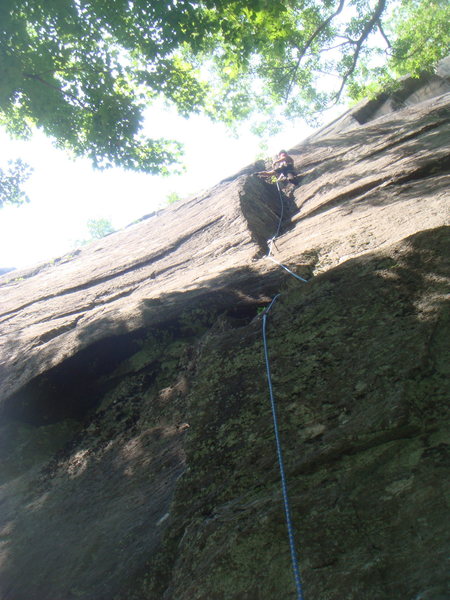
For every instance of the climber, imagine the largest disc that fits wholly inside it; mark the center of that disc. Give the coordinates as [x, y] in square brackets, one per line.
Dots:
[282, 167]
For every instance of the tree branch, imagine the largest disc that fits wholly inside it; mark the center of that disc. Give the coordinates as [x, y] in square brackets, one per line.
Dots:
[308, 44]
[330, 73]
[53, 87]
[380, 27]
[371, 23]
[337, 46]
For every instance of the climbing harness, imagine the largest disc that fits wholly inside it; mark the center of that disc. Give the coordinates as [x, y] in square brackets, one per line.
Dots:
[287, 508]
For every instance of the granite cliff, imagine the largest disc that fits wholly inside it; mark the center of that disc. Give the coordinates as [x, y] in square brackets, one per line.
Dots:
[137, 451]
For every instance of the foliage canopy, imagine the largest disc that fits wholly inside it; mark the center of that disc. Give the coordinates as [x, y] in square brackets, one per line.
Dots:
[85, 70]
[172, 198]
[11, 182]
[98, 228]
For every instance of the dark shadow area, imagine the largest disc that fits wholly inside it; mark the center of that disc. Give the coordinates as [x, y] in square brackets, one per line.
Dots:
[241, 315]
[360, 354]
[263, 206]
[72, 389]
[90, 517]
[280, 204]
[89, 521]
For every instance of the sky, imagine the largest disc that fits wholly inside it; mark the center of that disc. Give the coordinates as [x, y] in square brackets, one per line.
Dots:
[64, 194]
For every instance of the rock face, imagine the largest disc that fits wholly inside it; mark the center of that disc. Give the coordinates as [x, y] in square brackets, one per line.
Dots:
[138, 456]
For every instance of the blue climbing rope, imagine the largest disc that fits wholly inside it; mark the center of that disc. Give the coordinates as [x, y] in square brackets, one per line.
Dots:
[286, 269]
[287, 508]
[281, 211]
[271, 241]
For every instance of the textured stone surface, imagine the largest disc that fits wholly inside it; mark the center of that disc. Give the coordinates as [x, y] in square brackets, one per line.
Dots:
[412, 91]
[136, 445]
[135, 277]
[372, 186]
[359, 375]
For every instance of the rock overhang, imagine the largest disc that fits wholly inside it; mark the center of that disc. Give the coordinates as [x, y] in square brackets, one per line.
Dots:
[201, 252]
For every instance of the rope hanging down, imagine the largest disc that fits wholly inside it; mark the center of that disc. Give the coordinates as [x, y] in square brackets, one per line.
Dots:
[287, 508]
[271, 241]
